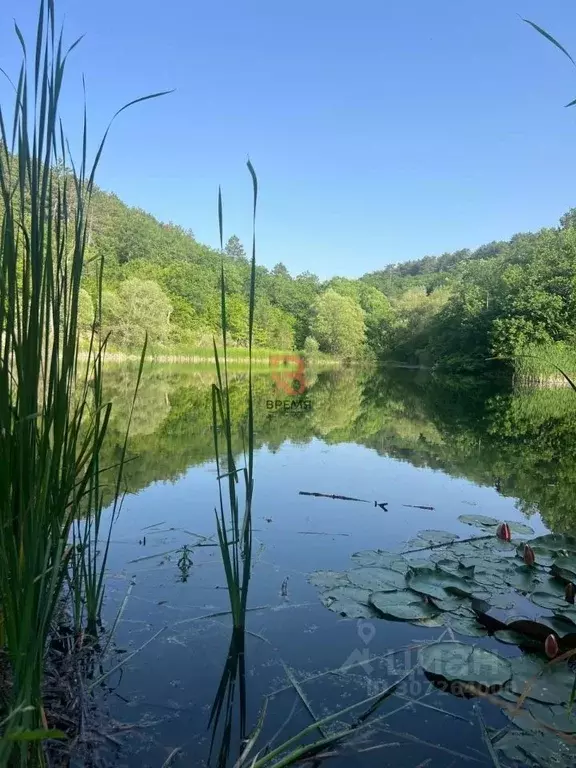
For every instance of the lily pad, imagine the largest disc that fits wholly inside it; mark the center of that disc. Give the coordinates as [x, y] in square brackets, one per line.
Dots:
[377, 579]
[328, 579]
[568, 613]
[546, 600]
[503, 602]
[523, 578]
[567, 564]
[450, 566]
[556, 544]
[520, 528]
[552, 716]
[540, 680]
[465, 625]
[348, 593]
[437, 584]
[443, 554]
[451, 603]
[381, 559]
[553, 587]
[501, 546]
[464, 663]
[430, 622]
[558, 625]
[437, 537]
[350, 608]
[540, 750]
[403, 605]
[516, 638]
[479, 521]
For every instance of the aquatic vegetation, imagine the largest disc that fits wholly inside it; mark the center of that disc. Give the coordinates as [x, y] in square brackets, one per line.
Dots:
[472, 587]
[53, 541]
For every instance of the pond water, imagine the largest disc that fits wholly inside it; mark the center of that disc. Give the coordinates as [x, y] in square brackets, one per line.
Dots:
[403, 440]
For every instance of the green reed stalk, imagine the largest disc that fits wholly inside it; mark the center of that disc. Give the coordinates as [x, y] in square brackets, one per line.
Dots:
[52, 416]
[234, 528]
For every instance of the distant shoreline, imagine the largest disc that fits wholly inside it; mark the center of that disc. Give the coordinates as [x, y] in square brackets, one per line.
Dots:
[260, 360]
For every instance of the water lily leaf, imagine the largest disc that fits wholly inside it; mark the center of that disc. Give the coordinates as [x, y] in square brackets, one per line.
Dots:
[520, 528]
[427, 582]
[438, 584]
[560, 626]
[488, 576]
[568, 613]
[566, 564]
[450, 566]
[350, 608]
[404, 605]
[507, 695]
[376, 579]
[482, 594]
[431, 621]
[472, 561]
[524, 748]
[437, 537]
[553, 586]
[443, 554]
[503, 602]
[382, 559]
[546, 600]
[348, 593]
[552, 716]
[522, 578]
[523, 719]
[563, 574]
[500, 545]
[545, 682]
[468, 548]
[464, 663]
[516, 638]
[465, 625]
[542, 556]
[328, 579]
[451, 603]
[479, 521]
[556, 544]
[349, 601]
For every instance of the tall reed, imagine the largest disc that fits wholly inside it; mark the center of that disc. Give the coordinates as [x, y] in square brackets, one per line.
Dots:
[53, 418]
[233, 519]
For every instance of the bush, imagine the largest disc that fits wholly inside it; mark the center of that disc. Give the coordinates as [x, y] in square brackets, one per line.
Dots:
[311, 346]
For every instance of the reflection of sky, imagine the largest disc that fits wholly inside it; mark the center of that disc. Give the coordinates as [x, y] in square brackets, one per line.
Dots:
[293, 535]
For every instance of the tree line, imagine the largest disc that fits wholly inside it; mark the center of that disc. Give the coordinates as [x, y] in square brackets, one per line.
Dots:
[454, 311]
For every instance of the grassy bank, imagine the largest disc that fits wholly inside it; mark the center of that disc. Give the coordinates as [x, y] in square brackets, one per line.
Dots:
[542, 365]
[236, 356]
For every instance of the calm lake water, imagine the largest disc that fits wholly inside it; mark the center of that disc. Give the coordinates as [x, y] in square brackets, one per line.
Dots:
[458, 446]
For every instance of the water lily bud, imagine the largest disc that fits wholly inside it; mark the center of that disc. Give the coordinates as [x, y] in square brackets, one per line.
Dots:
[529, 556]
[503, 532]
[551, 646]
[570, 592]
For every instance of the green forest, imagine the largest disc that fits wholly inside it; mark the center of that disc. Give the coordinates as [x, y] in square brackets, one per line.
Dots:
[453, 312]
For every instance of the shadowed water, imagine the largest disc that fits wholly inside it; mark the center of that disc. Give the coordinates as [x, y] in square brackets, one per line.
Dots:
[403, 441]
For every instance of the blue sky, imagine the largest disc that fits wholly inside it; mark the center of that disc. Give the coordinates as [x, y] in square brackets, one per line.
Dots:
[381, 131]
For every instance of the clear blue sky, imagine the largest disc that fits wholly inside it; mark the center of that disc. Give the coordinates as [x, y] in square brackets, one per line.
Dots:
[381, 131]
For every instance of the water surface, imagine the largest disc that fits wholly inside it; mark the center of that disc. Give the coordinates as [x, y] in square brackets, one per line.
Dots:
[409, 440]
